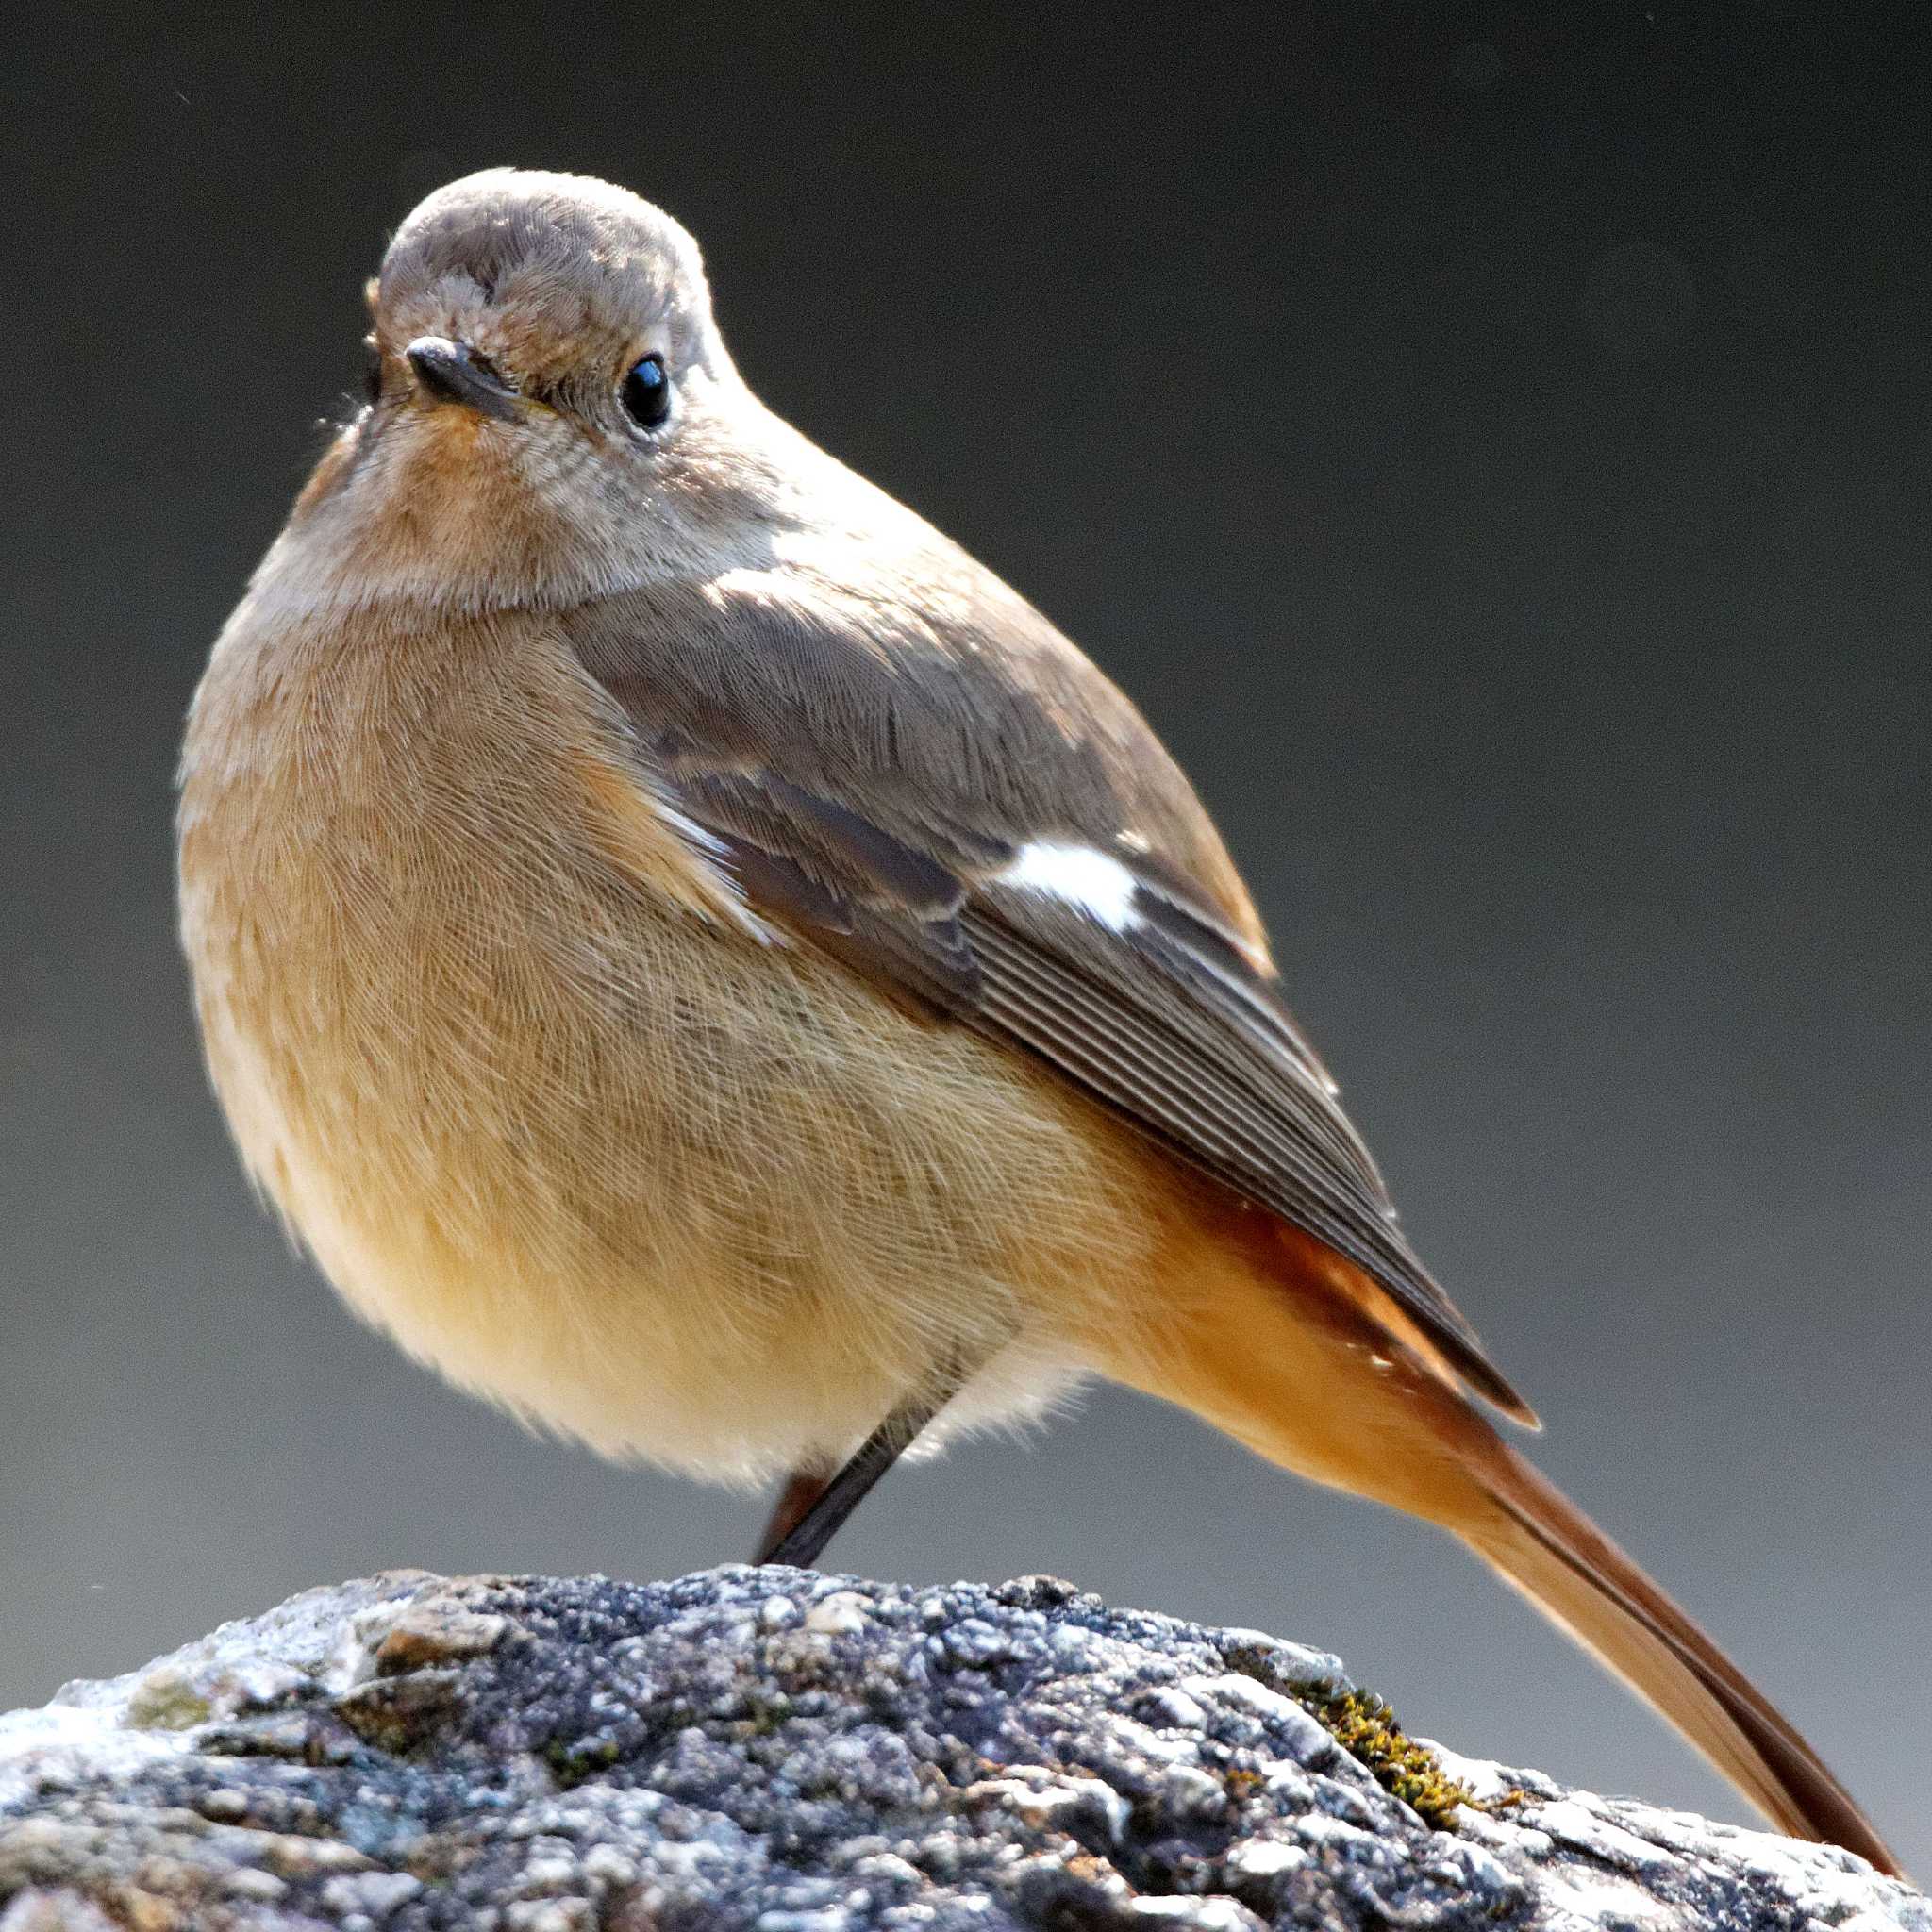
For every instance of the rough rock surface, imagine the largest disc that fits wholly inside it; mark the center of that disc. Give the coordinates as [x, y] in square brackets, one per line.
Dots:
[781, 1751]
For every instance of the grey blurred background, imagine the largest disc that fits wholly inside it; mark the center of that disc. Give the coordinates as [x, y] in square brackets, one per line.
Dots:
[1491, 442]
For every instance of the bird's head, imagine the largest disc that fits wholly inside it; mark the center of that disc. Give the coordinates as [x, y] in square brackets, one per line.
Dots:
[551, 414]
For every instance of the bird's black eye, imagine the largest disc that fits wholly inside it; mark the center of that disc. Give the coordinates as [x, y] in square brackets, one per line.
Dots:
[372, 372]
[646, 392]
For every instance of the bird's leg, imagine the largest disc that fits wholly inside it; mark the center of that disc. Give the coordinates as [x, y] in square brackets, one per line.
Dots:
[824, 1504]
[803, 1487]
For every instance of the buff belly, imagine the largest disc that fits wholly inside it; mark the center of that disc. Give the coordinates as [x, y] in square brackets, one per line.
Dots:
[613, 1162]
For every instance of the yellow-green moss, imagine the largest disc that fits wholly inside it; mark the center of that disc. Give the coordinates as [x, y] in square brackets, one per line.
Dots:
[1366, 1728]
[164, 1700]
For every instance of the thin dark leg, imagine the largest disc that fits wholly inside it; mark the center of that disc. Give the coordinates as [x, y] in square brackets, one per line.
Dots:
[804, 1541]
[803, 1487]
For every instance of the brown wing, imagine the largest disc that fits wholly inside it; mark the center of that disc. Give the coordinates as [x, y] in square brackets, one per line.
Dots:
[874, 790]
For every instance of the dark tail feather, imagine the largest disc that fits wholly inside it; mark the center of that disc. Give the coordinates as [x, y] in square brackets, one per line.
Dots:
[1548, 1549]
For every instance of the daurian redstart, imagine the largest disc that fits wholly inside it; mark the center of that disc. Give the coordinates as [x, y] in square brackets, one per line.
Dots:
[700, 960]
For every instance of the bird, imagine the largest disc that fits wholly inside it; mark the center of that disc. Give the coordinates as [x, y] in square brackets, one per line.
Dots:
[707, 966]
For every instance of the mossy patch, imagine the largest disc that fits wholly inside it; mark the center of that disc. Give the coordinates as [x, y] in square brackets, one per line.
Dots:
[165, 1700]
[1366, 1729]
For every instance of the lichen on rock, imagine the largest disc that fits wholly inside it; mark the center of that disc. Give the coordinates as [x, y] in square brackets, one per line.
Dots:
[784, 1752]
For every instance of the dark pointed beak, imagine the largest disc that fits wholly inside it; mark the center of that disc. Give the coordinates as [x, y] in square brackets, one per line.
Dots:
[452, 373]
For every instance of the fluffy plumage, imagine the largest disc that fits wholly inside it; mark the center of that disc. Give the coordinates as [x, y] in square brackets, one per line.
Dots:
[695, 956]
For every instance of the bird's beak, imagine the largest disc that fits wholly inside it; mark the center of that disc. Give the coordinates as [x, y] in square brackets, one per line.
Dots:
[451, 371]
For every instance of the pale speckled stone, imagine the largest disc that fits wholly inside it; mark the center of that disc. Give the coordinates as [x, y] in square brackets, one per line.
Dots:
[780, 1752]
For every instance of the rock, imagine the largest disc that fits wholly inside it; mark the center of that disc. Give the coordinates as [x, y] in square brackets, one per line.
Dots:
[784, 1752]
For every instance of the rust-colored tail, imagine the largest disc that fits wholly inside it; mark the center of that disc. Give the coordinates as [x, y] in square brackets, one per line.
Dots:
[1309, 1379]
[1545, 1546]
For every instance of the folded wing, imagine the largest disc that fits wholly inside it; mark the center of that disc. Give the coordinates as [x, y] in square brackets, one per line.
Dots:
[997, 837]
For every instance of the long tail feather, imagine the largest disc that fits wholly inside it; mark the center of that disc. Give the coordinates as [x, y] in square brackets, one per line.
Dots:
[1309, 1379]
[1545, 1547]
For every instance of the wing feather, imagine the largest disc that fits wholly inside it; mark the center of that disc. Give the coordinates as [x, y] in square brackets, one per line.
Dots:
[849, 827]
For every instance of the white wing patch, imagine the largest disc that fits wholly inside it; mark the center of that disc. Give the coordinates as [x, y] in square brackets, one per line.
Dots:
[1101, 887]
[709, 855]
